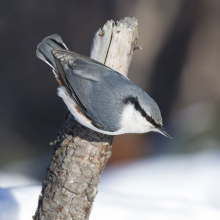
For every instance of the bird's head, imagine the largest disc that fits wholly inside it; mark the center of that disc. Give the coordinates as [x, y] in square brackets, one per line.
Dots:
[141, 114]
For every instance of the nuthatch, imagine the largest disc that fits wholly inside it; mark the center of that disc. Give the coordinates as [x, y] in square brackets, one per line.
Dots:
[97, 96]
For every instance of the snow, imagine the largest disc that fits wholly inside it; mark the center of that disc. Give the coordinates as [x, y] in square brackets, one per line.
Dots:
[180, 187]
[8, 180]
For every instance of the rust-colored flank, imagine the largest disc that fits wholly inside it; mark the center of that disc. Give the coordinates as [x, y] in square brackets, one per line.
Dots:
[59, 81]
[79, 111]
[58, 78]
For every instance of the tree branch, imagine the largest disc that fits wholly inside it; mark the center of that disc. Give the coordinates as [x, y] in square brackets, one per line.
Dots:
[80, 154]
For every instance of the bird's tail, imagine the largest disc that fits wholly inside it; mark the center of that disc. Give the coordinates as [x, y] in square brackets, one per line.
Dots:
[44, 49]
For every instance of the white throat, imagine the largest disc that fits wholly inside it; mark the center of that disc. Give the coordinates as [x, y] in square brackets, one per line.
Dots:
[133, 122]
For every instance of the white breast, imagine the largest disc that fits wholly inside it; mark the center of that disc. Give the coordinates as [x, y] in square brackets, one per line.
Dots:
[133, 122]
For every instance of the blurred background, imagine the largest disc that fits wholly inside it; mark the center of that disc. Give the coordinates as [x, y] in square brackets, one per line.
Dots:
[178, 67]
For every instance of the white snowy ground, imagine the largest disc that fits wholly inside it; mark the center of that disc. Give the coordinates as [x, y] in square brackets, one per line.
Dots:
[185, 187]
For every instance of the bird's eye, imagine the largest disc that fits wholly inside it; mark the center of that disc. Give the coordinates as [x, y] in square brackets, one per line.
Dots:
[149, 118]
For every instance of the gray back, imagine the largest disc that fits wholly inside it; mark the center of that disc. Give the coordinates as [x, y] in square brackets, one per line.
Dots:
[102, 92]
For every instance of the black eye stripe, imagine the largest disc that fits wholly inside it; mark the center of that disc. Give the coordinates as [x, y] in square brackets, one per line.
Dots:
[134, 101]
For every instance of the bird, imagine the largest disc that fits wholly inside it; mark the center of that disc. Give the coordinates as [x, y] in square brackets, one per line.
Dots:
[99, 97]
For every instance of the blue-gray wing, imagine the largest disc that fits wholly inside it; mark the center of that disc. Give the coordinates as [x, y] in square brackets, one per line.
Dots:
[97, 89]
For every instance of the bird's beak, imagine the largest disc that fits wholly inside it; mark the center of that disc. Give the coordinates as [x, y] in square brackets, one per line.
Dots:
[163, 132]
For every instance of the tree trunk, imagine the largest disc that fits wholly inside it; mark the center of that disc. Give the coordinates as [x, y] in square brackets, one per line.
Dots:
[80, 154]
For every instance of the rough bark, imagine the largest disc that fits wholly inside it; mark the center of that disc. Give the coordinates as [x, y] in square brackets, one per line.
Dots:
[80, 154]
